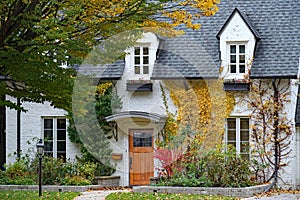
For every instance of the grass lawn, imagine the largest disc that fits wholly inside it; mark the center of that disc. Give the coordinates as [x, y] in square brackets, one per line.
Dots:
[150, 196]
[32, 195]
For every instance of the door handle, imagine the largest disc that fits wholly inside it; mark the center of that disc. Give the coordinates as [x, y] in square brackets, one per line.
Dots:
[130, 162]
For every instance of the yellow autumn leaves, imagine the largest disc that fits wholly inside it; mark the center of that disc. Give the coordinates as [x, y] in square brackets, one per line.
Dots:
[203, 106]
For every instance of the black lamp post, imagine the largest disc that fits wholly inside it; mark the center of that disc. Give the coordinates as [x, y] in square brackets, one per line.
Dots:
[40, 152]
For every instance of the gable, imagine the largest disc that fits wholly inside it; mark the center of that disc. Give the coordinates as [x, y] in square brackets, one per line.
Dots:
[238, 18]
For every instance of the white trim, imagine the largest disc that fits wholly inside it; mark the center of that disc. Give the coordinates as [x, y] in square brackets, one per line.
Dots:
[55, 130]
[237, 133]
[228, 54]
[141, 56]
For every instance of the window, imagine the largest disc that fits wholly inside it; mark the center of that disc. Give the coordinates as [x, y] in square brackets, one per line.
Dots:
[141, 60]
[142, 139]
[237, 135]
[237, 59]
[55, 132]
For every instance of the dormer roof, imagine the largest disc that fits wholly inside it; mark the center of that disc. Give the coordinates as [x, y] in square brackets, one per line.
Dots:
[245, 19]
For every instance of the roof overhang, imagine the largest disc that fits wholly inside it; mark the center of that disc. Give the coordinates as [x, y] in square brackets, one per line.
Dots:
[273, 77]
[137, 114]
[182, 78]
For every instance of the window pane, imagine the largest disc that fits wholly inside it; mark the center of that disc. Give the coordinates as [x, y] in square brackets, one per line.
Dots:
[145, 60]
[145, 69]
[48, 135]
[244, 147]
[232, 68]
[61, 146]
[142, 140]
[232, 49]
[232, 59]
[146, 51]
[137, 51]
[233, 144]
[48, 145]
[242, 58]
[231, 135]
[61, 123]
[242, 48]
[244, 123]
[242, 69]
[137, 60]
[62, 155]
[61, 134]
[137, 69]
[245, 135]
[49, 154]
[231, 123]
[48, 124]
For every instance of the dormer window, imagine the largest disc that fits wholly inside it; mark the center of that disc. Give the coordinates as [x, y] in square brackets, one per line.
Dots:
[141, 60]
[237, 60]
[238, 38]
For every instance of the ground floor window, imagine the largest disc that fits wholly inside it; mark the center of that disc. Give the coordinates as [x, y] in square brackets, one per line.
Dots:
[54, 133]
[237, 135]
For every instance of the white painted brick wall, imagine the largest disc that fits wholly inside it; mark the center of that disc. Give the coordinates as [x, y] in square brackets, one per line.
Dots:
[31, 127]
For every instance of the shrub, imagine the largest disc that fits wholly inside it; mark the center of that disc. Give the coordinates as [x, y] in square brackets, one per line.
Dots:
[55, 171]
[214, 168]
[75, 180]
[18, 173]
[225, 169]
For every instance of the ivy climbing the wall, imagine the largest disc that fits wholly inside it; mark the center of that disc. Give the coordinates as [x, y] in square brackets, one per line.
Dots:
[203, 107]
[94, 145]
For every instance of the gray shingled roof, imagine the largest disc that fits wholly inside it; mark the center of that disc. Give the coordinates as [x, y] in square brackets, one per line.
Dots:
[105, 72]
[277, 55]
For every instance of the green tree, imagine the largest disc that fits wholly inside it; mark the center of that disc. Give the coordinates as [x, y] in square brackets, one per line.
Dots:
[36, 36]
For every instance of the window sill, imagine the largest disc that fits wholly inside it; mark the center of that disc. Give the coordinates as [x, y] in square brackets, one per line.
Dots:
[139, 86]
[236, 86]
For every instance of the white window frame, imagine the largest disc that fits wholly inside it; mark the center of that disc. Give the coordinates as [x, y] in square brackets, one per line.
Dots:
[141, 56]
[238, 134]
[55, 136]
[237, 57]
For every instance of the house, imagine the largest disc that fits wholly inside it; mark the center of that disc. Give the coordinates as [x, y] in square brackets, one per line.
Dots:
[247, 40]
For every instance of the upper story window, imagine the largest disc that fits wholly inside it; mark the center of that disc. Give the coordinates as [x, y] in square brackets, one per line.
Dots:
[141, 60]
[237, 60]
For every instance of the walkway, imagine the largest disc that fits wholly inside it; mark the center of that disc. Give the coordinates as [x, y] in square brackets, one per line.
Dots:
[97, 194]
[101, 194]
[276, 197]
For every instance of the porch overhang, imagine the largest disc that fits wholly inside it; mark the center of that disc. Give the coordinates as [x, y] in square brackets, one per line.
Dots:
[157, 118]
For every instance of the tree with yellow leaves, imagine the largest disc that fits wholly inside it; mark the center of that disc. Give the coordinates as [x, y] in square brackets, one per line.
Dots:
[36, 36]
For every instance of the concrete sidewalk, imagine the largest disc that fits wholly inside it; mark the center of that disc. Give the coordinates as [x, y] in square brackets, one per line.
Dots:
[97, 194]
[276, 197]
[101, 194]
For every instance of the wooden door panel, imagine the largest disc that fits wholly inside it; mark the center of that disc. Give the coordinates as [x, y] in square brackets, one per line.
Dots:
[141, 156]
